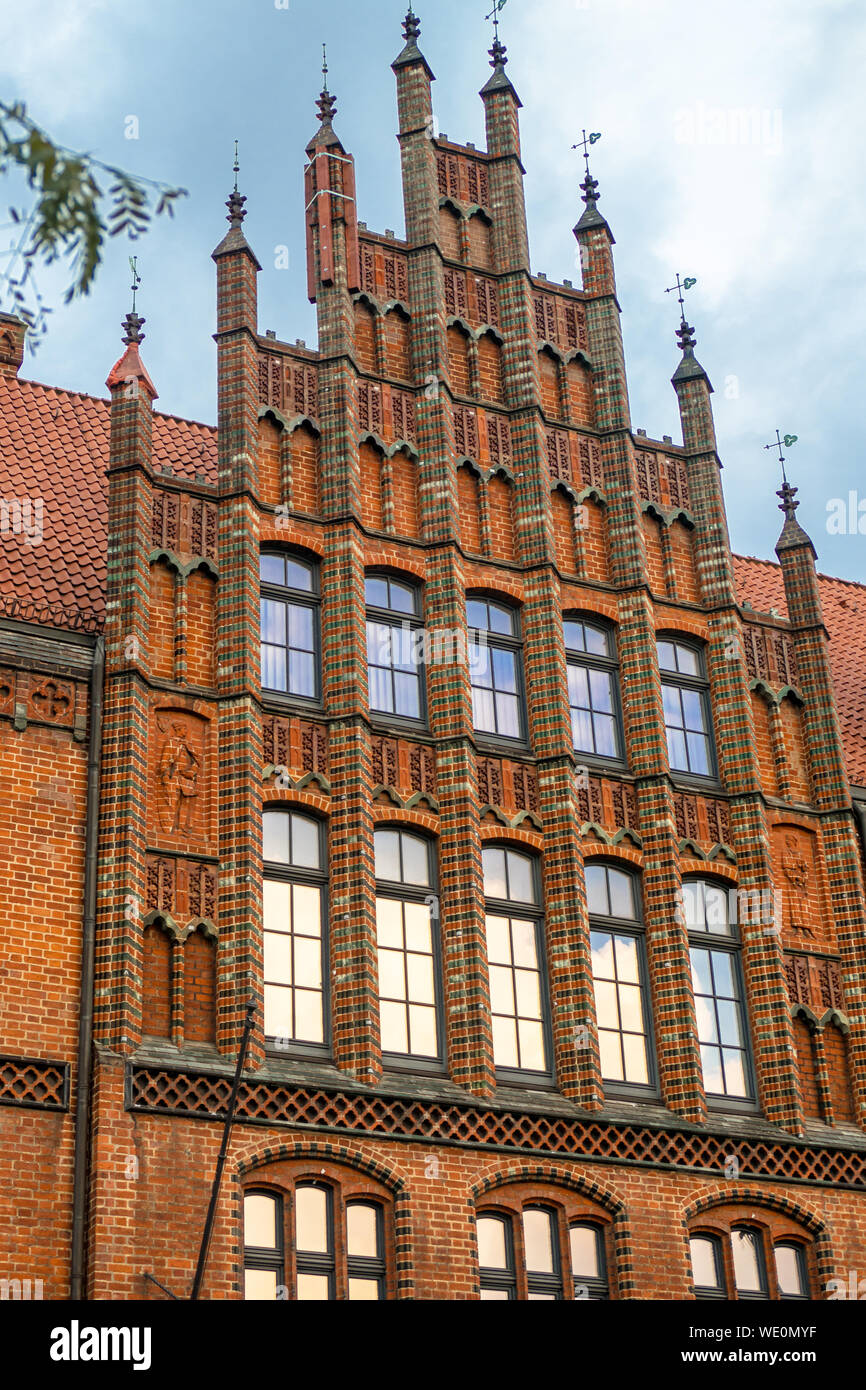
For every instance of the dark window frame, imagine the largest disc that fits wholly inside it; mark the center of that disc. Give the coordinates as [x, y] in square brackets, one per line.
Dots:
[314, 1262]
[700, 684]
[408, 892]
[514, 643]
[611, 666]
[516, 1280]
[636, 929]
[367, 1266]
[319, 878]
[261, 1257]
[731, 943]
[311, 599]
[721, 1238]
[412, 622]
[513, 907]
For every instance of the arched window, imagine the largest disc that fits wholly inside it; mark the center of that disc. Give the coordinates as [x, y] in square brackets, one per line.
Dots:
[515, 952]
[410, 1008]
[747, 1262]
[717, 981]
[620, 979]
[394, 670]
[593, 689]
[316, 1240]
[295, 932]
[496, 669]
[686, 699]
[541, 1251]
[290, 645]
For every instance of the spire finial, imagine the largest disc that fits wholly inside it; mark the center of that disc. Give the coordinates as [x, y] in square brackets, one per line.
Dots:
[235, 201]
[133, 323]
[498, 51]
[411, 25]
[327, 104]
[786, 441]
[681, 286]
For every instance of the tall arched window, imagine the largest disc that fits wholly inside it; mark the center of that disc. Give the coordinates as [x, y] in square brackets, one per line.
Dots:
[593, 689]
[295, 932]
[687, 710]
[410, 1007]
[540, 1250]
[515, 952]
[620, 979]
[317, 1238]
[496, 669]
[394, 670]
[717, 981]
[290, 645]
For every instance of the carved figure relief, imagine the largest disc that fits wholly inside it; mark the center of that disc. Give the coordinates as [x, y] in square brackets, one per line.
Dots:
[795, 867]
[179, 770]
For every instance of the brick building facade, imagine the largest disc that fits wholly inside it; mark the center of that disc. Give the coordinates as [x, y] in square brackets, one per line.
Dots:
[422, 704]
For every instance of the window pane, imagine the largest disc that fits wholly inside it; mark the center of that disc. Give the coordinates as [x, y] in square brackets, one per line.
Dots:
[260, 1285]
[307, 910]
[524, 944]
[538, 1241]
[597, 640]
[476, 613]
[423, 1041]
[521, 888]
[495, 885]
[278, 1012]
[699, 754]
[301, 627]
[275, 837]
[402, 597]
[596, 890]
[272, 569]
[273, 622]
[376, 591]
[583, 1243]
[735, 1072]
[305, 843]
[389, 923]
[705, 1269]
[508, 716]
[747, 1266]
[302, 675]
[278, 959]
[274, 668]
[574, 639]
[387, 844]
[627, 959]
[362, 1231]
[313, 1288]
[420, 979]
[483, 710]
[392, 975]
[364, 1289]
[667, 657]
[308, 962]
[494, 1296]
[501, 620]
[606, 739]
[621, 894]
[789, 1271]
[610, 1055]
[298, 576]
[533, 1053]
[416, 865]
[498, 940]
[505, 1042]
[260, 1221]
[601, 691]
[394, 1026]
[309, 1017]
[417, 919]
[492, 1248]
[687, 661]
[504, 670]
[311, 1219]
[635, 1059]
[407, 696]
[277, 905]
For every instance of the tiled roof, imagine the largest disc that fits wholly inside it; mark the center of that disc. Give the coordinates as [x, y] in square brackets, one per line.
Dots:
[54, 446]
[759, 582]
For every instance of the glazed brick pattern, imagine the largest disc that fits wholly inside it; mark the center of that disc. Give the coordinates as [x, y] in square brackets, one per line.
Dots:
[415, 443]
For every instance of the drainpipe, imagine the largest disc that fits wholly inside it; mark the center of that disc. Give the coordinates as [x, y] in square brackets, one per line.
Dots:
[85, 1014]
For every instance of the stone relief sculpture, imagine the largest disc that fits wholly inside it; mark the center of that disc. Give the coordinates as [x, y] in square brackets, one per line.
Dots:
[178, 772]
[795, 867]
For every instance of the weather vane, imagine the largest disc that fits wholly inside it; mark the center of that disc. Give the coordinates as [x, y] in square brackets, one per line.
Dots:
[324, 67]
[236, 166]
[681, 287]
[498, 6]
[585, 145]
[786, 441]
[136, 278]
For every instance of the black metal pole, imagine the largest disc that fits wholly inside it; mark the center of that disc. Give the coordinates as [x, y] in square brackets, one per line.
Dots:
[227, 1129]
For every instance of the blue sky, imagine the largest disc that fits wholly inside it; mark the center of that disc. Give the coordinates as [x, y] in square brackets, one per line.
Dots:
[733, 150]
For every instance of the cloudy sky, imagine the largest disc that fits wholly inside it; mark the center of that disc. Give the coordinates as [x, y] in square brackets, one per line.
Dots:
[733, 150]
